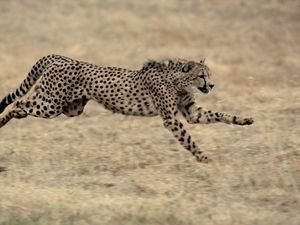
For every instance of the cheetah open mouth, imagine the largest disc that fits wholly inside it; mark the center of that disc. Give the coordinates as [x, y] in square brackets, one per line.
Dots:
[203, 90]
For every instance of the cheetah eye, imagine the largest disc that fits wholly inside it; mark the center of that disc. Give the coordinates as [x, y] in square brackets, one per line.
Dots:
[187, 68]
[202, 77]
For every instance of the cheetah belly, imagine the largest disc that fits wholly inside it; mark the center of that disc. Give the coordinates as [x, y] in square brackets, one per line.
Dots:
[141, 107]
[130, 105]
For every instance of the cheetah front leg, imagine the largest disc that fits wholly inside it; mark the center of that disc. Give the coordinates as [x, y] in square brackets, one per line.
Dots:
[166, 104]
[176, 127]
[195, 114]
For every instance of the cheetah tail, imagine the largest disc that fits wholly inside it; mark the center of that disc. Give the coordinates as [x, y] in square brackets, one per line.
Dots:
[26, 85]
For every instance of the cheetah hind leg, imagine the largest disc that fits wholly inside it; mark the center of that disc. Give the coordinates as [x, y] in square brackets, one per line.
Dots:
[36, 108]
[13, 113]
[75, 108]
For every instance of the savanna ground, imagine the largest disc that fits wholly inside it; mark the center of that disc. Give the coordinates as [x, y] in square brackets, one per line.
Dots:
[104, 168]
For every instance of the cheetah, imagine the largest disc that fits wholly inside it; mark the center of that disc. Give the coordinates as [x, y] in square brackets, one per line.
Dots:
[61, 85]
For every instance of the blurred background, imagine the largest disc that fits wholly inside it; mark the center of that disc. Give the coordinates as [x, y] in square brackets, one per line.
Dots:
[104, 168]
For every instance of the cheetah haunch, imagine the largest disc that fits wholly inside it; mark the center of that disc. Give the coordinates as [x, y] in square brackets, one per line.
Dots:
[59, 84]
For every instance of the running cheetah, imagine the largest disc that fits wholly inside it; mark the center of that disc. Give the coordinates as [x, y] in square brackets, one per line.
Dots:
[58, 84]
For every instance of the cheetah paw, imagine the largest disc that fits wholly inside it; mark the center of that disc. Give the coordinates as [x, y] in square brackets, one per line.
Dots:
[248, 121]
[202, 158]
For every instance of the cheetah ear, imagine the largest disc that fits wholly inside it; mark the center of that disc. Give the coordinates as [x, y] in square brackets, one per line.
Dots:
[168, 63]
[202, 61]
[187, 67]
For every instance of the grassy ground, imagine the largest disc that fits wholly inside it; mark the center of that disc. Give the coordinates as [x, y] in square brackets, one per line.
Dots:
[104, 168]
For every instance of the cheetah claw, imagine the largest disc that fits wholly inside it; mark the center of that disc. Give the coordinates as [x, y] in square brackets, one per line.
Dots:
[3, 169]
[202, 158]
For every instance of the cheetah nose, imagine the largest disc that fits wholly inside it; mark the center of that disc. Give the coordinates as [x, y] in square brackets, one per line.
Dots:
[211, 86]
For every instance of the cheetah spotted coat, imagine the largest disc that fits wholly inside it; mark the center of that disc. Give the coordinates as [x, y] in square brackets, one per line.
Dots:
[58, 84]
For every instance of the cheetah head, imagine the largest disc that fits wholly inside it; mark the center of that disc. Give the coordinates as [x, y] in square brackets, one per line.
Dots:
[194, 75]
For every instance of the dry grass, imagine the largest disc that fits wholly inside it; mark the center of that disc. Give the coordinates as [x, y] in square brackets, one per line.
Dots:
[103, 168]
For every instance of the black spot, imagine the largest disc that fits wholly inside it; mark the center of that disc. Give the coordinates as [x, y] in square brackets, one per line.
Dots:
[22, 90]
[189, 139]
[175, 129]
[234, 120]
[17, 92]
[26, 86]
[199, 115]
[9, 100]
[183, 132]
[189, 105]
